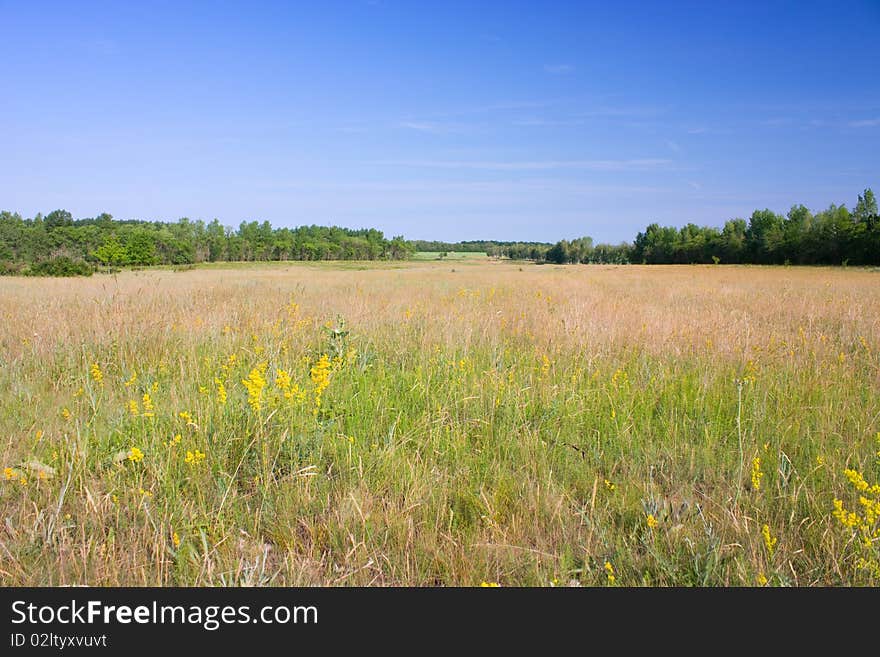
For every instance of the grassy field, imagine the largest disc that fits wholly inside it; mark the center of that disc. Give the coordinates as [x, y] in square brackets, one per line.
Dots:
[452, 256]
[499, 423]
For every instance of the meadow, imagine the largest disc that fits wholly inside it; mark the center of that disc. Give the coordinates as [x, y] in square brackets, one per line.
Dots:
[435, 423]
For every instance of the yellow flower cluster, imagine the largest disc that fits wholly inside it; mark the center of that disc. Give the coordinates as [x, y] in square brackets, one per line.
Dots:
[867, 523]
[844, 517]
[148, 405]
[285, 384]
[859, 483]
[545, 366]
[320, 374]
[770, 541]
[135, 455]
[757, 474]
[255, 384]
[14, 474]
[97, 374]
[221, 391]
[194, 458]
[609, 573]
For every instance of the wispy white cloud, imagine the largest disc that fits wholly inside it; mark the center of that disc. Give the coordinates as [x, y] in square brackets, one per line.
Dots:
[434, 127]
[673, 146]
[865, 123]
[559, 69]
[451, 190]
[501, 106]
[699, 130]
[539, 122]
[625, 112]
[777, 121]
[694, 185]
[643, 164]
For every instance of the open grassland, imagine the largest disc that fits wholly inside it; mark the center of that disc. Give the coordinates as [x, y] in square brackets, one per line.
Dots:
[453, 256]
[499, 423]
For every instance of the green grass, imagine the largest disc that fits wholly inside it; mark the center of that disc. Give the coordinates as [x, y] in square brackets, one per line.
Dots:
[461, 437]
[452, 256]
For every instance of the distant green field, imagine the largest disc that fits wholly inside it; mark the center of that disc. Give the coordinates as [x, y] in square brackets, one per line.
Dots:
[450, 255]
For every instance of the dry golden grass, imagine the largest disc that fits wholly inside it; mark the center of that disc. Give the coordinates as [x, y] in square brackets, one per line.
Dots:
[482, 422]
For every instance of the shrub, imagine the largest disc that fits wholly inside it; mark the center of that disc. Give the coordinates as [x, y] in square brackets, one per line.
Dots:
[60, 266]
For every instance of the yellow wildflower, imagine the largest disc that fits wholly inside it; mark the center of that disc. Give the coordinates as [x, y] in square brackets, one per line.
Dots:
[135, 455]
[175, 539]
[255, 384]
[489, 585]
[846, 518]
[194, 458]
[282, 380]
[320, 374]
[133, 407]
[545, 366]
[221, 391]
[756, 473]
[652, 521]
[762, 579]
[97, 374]
[132, 380]
[856, 479]
[769, 540]
[609, 572]
[148, 405]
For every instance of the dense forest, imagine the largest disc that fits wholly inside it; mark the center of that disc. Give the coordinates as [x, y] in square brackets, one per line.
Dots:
[57, 244]
[836, 236]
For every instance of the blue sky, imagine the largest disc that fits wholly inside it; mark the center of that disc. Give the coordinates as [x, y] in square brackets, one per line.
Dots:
[448, 120]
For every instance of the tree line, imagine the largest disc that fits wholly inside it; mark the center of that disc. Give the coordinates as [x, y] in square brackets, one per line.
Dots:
[58, 244]
[835, 236]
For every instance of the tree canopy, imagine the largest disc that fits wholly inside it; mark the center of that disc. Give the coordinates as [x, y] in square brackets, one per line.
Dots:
[58, 244]
[103, 241]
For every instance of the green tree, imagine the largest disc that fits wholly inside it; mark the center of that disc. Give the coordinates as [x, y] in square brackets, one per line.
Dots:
[866, 207]
[111, 252]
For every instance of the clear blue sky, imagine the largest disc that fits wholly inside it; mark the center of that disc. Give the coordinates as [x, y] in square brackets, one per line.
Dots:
[447, 120]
